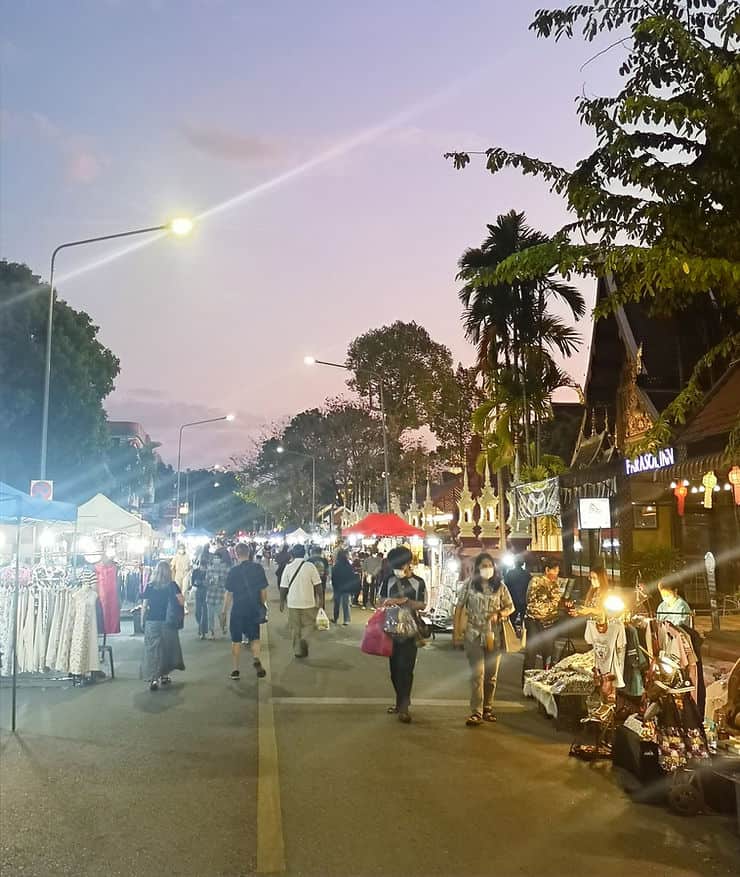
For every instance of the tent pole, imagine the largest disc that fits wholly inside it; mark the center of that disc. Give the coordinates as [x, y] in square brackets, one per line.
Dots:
[15, 622]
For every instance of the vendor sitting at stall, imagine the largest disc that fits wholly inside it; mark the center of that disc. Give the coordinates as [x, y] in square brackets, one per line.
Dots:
[673, 607]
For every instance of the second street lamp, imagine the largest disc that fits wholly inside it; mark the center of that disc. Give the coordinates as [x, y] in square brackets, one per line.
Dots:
[227, 417]
[180, 227]
[311, 360]
[281, 450]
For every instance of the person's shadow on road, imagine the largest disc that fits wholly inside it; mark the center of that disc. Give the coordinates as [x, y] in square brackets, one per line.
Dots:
[160, 701]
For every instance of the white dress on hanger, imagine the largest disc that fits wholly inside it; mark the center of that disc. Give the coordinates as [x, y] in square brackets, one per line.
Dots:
[65, 635]
[84, 656]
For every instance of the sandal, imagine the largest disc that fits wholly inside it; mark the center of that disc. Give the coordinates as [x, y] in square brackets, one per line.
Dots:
[473, 721]
[489, 716]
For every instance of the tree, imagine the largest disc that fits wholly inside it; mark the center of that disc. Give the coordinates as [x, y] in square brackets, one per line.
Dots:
[215, 502]
[454, 428]
[657, 203]
[416, 371]
[514, 331]
[346, 440]
[82, 375]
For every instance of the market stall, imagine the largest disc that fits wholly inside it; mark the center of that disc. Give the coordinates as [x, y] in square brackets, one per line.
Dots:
[638, 697]
[31, 610]
[117, 545]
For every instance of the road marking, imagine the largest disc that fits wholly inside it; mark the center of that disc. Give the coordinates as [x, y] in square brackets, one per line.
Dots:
[380, 701]
[270, 842]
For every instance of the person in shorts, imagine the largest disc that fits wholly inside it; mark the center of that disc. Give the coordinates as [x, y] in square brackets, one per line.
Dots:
[246, 593]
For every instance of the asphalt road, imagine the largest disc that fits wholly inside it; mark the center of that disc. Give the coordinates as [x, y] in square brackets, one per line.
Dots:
[305, 772]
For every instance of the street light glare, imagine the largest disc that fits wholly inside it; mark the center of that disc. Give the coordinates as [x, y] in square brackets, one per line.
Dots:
[181, 226]
[309, 360]
[231, 417]
[280, 449]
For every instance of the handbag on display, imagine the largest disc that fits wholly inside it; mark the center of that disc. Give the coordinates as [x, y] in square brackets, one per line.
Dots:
[175, 616]
[375, 641]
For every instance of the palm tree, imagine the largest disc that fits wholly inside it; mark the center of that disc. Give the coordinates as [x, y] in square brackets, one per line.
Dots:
[513, 329]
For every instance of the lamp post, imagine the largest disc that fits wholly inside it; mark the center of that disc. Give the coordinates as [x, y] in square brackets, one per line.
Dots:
[228, 417]
[180, 227]
[281, 450]
[311, 360]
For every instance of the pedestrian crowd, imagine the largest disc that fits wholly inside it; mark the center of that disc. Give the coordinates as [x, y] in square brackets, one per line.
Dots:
[493, 615]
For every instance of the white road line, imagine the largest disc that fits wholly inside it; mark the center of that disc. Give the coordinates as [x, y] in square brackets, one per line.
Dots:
[270, 841]
[380, 701]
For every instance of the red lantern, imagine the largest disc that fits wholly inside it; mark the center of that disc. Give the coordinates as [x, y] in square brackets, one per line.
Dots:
[734, 477]
[680, 491]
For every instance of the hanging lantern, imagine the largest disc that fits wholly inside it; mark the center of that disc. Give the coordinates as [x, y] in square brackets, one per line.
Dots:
[734, 479]
[680, 493]
[709, 482]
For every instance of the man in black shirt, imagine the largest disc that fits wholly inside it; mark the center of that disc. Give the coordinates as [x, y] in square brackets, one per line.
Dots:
[517, 581]
[246, 593]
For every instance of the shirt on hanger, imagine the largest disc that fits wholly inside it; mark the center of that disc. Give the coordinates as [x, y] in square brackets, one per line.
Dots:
[609, 649]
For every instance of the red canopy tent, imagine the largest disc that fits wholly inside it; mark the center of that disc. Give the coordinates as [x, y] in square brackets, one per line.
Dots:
[382, 525]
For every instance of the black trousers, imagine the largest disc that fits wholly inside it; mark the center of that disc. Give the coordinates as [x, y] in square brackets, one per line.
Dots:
[540, 641]
[403, 661]
[368, 592]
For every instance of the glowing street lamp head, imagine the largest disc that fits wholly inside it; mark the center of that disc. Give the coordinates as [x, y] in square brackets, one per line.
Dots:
[309, 360]
[280, 449]
[231, 417]
[181, 226]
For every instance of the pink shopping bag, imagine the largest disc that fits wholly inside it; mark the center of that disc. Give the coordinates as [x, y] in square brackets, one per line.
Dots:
[375, 640]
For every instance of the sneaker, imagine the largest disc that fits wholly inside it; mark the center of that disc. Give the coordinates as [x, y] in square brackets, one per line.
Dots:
[235, 674]
[261, 672]
[154, 686]
[165, 680]
[405, 718]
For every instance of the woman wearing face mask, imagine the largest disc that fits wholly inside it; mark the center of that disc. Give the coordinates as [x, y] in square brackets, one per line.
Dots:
[403, 588]
[486, 603]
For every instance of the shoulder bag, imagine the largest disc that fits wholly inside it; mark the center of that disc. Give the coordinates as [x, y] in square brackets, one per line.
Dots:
[175, 616]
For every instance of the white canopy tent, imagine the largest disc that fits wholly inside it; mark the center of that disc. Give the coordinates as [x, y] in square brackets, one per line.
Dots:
[101, 515]
[297, 536]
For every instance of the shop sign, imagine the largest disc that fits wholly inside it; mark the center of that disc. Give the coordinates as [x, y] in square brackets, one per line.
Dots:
[650, 462]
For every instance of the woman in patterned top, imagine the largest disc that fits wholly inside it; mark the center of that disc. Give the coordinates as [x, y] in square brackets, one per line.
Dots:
[486, 603]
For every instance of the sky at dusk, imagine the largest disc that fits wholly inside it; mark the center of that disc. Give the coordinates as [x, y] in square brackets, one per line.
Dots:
[309, 137]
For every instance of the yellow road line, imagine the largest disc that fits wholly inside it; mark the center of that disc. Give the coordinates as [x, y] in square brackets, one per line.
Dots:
[270, 842]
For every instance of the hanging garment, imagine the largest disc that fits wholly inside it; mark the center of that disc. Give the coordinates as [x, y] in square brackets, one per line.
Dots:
[610, 647]
[107, 588]
[83, 655]
[634, 664]
[65, 634]
[55, 627]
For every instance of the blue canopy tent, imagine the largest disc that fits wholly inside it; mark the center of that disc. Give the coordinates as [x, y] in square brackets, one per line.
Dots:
[19, 508]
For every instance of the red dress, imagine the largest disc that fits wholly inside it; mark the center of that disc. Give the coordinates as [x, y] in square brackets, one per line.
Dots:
[107, 575]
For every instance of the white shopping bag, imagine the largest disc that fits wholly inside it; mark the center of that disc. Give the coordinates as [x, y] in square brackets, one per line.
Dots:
[322, 620]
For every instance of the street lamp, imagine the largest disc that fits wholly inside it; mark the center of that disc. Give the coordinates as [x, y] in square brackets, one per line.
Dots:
[227, 417]
[281, 450]
[311, 360]
[180, 227]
